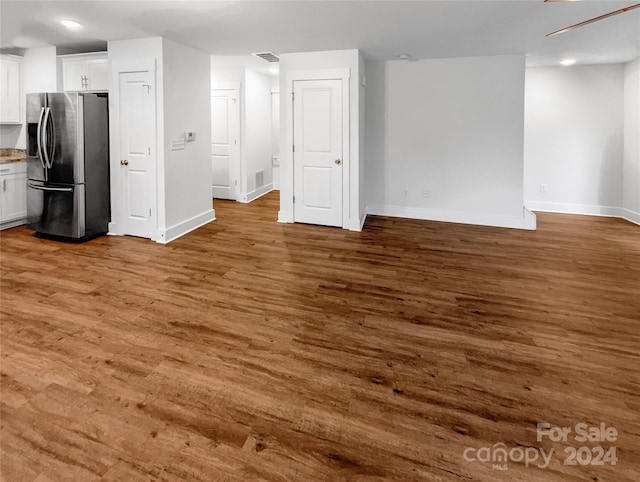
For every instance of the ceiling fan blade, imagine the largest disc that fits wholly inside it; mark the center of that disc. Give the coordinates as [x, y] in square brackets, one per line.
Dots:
[587, 22]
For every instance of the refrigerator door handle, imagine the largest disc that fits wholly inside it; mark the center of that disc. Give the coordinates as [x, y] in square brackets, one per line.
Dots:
[52, 145]
[49, 188]
[39, 138]
[48, 147]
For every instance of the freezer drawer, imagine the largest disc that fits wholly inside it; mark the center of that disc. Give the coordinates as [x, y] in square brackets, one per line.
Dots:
[56, 209]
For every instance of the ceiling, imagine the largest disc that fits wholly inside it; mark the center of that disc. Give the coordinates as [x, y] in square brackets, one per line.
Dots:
[382, 30]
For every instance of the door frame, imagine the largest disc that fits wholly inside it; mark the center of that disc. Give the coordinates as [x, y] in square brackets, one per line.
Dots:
[118, 214]
[241, 168]
[286, 213]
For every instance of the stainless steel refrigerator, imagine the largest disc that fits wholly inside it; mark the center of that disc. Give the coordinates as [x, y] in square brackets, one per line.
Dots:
[68, 164]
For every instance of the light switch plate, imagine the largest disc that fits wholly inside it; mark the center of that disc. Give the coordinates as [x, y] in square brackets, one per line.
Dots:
[177, 144]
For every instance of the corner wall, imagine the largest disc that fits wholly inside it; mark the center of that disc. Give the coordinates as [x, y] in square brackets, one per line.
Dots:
[186, 173]
[445, 140]
[574, 139]
[631, 154]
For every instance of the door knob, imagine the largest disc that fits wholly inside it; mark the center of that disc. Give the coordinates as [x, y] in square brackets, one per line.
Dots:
[124, 162]
[338, 161]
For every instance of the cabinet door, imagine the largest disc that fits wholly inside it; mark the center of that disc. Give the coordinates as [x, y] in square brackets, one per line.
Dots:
[74, 75]
[98, 73]
[9, 91]
[14, 197]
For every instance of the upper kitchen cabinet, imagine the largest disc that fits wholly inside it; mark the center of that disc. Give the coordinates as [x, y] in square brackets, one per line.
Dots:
[10, 89]
[85, 72]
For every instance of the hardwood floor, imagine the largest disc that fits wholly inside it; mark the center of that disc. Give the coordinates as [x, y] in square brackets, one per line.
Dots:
[252, 350]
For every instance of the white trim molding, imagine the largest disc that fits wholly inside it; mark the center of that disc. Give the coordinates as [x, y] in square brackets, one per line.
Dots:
[255, 194]
[283, 217]
[569, 208]
[225, 85]
[114, 229]
[585, 209]
[174, 232]
[631, 216]
[526, 221]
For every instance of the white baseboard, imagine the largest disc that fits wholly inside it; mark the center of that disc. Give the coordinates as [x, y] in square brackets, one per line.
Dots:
[631, 216]
[14, 223]
[253, 195]
[530, 220]
[357, 224]
[114, 229]
[569, 208]
[526, 221]
[363, 218]
[283, 217]
[585, 209]
[180, 229]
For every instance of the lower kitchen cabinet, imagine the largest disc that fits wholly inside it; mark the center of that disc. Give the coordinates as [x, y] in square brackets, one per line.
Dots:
[13, 194]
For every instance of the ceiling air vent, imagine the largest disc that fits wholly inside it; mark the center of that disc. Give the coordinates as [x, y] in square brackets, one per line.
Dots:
[268, 56]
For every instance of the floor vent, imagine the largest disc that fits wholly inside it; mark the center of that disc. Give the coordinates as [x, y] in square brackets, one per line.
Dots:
[268, 56]
[259, 179]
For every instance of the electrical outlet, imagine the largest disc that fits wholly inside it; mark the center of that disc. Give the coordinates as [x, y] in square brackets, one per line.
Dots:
[426, 193]
[543, 188]
[406, 192]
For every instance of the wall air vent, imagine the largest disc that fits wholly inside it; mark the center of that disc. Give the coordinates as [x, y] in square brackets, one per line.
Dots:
[268, 56]
[259, 179]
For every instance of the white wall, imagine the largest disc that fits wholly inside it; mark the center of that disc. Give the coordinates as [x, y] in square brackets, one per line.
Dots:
[233, 74]
[334, 59]
[453, 128]
[39, 67]
[275, 134]
[12, 136]
[574, 138]
[38, 75]
[275, 128]
[187, 172]
[257, 151]
[631, 155]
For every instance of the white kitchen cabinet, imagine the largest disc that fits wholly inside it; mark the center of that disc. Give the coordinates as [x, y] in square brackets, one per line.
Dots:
[10, 89]
[85, 72]
[13, 194]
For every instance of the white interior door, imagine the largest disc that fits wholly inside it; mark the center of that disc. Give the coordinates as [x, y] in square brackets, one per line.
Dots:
[225, 143]
[137, 152]
[317, 156]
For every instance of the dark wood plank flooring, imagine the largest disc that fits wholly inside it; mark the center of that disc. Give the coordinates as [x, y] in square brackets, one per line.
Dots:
[252, 350]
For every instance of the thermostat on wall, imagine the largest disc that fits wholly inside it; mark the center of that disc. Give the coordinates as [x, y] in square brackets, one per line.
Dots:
[190, 136]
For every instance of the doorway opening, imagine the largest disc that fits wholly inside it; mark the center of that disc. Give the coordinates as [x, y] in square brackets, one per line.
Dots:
[244, 134]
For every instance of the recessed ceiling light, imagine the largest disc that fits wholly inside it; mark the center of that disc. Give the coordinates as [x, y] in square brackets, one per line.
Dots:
[71, 25]
[567, 62]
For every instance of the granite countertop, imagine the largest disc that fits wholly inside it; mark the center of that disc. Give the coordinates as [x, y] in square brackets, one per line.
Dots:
[12, 155]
